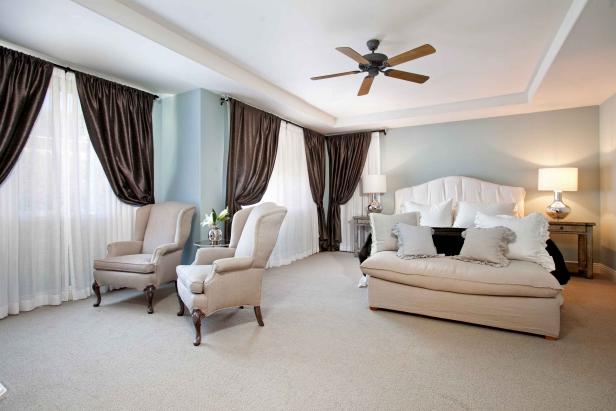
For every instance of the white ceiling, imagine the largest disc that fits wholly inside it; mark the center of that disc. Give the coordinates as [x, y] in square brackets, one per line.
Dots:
[494, 57]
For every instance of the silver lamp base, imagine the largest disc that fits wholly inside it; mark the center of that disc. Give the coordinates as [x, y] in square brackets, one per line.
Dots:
[374, 206]
[558, 210]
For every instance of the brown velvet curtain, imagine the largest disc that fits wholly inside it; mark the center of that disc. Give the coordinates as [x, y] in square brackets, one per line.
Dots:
[23, 85]
[253, 142]
[315, 159]
[347, 156]
[119, 122]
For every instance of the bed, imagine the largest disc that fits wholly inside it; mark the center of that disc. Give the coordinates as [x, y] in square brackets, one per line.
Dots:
[523, 297]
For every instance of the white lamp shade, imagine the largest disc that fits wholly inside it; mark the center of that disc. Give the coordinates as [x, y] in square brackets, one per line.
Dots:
[558, 179]
[374, 183]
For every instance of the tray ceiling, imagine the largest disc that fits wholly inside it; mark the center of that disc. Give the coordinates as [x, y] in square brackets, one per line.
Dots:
[494, 57]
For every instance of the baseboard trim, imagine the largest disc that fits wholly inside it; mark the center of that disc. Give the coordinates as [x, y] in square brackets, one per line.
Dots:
[605, 270]
[597, 268]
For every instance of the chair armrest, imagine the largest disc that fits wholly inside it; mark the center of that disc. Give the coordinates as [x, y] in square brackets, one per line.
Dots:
[118, 248]
[164, 249]
[225, 265]
[206, 256]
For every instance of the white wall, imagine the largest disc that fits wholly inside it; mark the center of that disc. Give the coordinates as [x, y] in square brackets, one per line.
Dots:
[505, 150]
[607, 142]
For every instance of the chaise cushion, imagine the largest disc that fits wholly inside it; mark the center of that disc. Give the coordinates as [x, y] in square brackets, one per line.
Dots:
[520, 278]
[193, 276]
[132, 263]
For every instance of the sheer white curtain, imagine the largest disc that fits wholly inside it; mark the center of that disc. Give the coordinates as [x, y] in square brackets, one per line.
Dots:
[358, 204]
[57, 210]
[289, 186]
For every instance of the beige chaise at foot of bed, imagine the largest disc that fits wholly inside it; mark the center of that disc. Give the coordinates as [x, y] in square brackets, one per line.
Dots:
[521, 297]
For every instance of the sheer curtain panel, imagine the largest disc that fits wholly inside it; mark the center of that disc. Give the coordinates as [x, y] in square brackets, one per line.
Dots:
[358, 204]
[289, 186]
[57, 209]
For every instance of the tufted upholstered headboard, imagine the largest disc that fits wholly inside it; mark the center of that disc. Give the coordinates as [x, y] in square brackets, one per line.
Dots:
[461, 188]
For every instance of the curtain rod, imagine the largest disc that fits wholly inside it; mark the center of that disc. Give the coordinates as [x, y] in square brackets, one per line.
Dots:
[382, 130]
[226, 100]
[70, 70]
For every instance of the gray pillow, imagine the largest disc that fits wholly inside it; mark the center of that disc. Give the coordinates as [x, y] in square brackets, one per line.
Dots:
[486, 246]
[382, 224]
[414, 241]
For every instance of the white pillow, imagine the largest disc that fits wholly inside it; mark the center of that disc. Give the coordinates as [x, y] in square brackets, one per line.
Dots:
[414, 242]
[382, 224]
[531, 234]
[467, 211]
[431, 215]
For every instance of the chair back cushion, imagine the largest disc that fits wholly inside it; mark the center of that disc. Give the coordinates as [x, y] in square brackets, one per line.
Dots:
[165, 225]
[260, 233]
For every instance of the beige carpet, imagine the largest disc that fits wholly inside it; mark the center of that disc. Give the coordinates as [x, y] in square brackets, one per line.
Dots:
[321, 348]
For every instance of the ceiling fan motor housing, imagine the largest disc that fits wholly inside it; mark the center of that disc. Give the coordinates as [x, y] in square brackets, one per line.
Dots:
[377, 60]
[377, 63]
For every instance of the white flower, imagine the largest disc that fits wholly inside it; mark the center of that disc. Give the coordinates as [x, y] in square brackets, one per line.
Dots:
[223, 215]
[207, 221]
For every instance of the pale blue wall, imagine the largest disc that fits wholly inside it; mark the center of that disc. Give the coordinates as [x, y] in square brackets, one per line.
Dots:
[213, 153]
[607, 121]
[505, 150]
[189, 151]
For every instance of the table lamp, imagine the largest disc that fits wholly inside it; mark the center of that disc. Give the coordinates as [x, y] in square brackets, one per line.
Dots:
[558, 179]
[374, 184]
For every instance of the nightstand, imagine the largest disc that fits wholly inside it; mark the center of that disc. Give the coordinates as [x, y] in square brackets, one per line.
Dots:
[583, 230]
[361, 224]
[208, 244]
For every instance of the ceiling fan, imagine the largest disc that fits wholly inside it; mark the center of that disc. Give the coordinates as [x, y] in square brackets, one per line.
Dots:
[375, 63]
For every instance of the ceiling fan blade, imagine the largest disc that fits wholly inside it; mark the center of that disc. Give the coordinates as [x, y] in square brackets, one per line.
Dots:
[349, 52]
[405, 75]
[365, 86]
[346, 73]
[416, 53]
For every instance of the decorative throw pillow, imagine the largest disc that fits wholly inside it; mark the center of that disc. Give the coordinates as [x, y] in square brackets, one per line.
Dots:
[486, 246]
[531, 235]
[467, 211]
[382, 224]
[431, 215]
[414, 241]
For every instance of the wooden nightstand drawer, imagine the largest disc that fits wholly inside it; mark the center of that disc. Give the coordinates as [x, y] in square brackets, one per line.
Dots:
[555, 228]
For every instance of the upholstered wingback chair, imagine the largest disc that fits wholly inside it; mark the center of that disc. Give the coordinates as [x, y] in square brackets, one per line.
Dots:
[149, 260]
[231, 277]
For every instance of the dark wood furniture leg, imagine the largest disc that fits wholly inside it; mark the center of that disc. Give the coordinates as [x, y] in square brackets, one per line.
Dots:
[181, 312]
[589, 256]
[258, 315]
[196, 318]
[149, 296]
[97, 290]
[582, 263]
[374, 308]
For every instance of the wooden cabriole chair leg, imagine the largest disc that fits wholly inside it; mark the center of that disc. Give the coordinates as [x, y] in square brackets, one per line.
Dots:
[196, 318]
[149, 296]
[97, 290]
[181, 312]
[258, 315]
